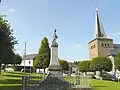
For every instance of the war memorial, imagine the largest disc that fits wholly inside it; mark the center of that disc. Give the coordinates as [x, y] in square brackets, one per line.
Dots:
[54, 79]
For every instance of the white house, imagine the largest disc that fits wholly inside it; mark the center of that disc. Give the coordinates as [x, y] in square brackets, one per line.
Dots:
[73, 67]
[28, 60]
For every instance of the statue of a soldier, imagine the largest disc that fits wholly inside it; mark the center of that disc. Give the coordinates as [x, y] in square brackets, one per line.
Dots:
[54, 38]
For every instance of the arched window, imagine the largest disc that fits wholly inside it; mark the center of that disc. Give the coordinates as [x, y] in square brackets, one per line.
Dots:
[102, 44]
[105, 45]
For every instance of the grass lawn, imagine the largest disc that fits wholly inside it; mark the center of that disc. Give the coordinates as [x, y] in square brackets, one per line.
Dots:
[105, 85]
[12, 81]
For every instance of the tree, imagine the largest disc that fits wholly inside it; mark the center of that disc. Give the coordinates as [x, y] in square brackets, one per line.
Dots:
[42, 60]
[64, 64]
[101, 63]
[16, 60]
[117, 61]
[84, 66]
[7, 41]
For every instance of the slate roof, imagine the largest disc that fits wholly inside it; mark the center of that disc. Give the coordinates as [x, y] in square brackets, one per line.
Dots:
[73, 65]
[114, 50]
[99, 30]
[29, 57]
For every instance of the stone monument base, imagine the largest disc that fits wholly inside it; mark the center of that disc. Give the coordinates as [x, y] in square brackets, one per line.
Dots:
[55, 70]
[53, 82]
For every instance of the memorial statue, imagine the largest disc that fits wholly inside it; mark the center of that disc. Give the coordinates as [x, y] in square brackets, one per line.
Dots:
[54, 37]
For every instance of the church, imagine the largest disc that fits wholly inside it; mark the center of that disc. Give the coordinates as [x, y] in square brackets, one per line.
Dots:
[101, 45]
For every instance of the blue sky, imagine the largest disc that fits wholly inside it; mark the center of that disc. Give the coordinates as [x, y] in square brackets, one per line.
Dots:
[73, 19]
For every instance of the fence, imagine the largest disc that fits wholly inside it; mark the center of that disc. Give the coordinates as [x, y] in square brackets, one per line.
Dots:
[78, 81]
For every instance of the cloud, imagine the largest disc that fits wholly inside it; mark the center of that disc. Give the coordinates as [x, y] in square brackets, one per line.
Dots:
[115, 34]
[76, 46]
[12, 10]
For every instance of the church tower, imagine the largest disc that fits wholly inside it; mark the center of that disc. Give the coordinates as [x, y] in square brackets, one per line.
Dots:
[100, 45]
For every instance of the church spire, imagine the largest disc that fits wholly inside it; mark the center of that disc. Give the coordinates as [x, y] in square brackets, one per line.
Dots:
[99, 30]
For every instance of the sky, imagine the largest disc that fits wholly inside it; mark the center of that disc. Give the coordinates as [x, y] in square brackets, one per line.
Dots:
[74, 20]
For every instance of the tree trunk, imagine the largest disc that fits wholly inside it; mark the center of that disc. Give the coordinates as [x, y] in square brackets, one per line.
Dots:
[4, 67]
[0, 69]
[44, 72]
[100, 73]
[39, 70]
[14, 66]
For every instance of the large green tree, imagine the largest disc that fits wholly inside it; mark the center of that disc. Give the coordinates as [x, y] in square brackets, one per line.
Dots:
[101, 63]
[117, 61]
[64, 64]
[42, 60]
[84, 66]
[7, 41]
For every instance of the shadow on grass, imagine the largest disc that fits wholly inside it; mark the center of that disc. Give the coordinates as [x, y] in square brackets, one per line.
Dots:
[20, 73]
[10, 81]
[10, 87]
[99, 86]
[13, 76]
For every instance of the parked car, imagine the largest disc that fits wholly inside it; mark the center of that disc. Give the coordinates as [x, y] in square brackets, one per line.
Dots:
[107, 76]
[92, 76]
[64, 74]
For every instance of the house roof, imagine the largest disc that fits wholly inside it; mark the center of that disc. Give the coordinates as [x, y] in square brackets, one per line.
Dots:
[29, 57]
[73, 65]
[114, 50]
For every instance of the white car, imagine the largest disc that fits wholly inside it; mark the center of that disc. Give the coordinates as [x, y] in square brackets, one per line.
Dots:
[73, 75]
[9, 69]
[64, 74]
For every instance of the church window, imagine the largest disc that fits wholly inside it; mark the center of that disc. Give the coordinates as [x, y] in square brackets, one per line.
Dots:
[105, 45]
[102, 44]
[91, 47]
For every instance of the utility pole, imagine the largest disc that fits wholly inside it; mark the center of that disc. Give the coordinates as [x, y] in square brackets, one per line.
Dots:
[24, 77]
[24, 56]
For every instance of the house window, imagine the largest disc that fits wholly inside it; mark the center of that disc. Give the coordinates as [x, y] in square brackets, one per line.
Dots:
[29, 62]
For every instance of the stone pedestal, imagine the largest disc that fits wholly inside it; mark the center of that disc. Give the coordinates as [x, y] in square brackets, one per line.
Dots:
[54, 68]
